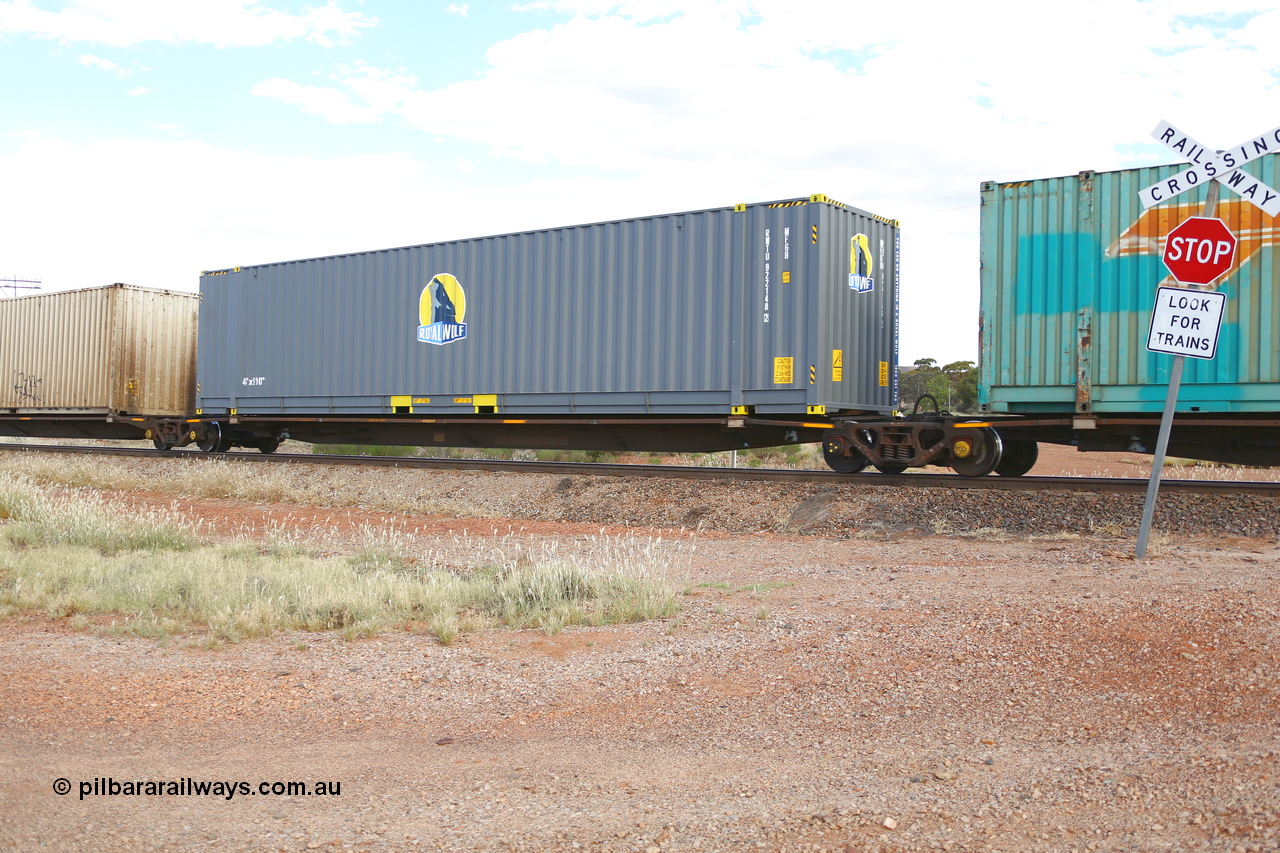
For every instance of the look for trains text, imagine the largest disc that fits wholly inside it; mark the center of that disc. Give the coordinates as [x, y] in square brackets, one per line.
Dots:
[1180, 303]
[1187, 303]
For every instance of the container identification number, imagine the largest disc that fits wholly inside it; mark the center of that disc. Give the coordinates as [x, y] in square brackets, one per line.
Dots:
[766, 275]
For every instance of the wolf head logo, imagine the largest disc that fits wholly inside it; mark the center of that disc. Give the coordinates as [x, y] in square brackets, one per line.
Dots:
[442, 307]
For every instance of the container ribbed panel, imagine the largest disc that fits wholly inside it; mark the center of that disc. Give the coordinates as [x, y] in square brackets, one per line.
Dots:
[1070, 268]
[109, 349]
[649, 315]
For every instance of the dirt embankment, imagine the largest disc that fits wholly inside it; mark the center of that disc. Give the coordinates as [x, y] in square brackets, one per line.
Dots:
[818, 691]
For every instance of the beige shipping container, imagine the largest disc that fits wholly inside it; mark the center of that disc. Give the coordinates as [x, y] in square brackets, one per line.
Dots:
[103, 350]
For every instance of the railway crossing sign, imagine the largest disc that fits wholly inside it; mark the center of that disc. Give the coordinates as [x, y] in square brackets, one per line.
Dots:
[1199, 250]
[1196, 252]
[1223, 167]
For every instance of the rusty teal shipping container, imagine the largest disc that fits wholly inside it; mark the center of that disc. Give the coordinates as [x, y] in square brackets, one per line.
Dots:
[1070, 268]
[785, 307]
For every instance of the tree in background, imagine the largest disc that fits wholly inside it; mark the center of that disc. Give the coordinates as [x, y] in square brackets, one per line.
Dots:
[954, 385]
[962, 377]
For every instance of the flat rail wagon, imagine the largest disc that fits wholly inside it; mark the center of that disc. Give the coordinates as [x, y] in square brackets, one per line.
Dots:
[704, 330]
[743, 326]
[103, 362]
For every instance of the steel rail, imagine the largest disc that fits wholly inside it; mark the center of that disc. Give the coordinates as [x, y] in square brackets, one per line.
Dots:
[1107, 485]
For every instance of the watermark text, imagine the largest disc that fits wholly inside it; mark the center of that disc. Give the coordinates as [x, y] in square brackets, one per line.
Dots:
[107, 786]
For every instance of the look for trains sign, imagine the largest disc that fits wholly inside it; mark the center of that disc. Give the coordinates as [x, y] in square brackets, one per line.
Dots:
[1186, 322]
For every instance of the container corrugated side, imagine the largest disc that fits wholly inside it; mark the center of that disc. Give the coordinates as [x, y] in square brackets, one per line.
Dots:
[858, 326]
[696, 312]
[110, 350]
[1070, 268]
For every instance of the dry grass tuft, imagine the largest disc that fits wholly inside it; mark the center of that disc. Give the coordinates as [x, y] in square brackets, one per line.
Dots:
[69, 554]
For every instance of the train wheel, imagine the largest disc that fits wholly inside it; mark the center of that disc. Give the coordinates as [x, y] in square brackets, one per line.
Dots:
[983, 457]
[268, 445]
[159, 444]
[211, 441]
[1019, 457]
[889, 468]
[851, 464]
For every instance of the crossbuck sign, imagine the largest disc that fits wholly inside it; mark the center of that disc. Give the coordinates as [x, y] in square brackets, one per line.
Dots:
[1223, 167]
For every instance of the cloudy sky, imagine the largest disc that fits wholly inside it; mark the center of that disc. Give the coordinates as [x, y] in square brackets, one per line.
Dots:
[145, 140]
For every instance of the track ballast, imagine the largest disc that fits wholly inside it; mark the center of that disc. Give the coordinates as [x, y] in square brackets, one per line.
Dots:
[1104, 485]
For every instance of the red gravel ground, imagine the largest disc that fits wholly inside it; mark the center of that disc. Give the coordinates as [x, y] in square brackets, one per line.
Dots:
[906, 692]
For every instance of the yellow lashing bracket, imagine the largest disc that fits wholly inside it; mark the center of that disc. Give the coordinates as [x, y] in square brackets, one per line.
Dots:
[739, 208]
[740, 410]
[817, 410]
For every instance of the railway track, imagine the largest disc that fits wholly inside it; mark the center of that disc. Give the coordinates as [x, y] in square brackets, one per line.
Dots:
[943, 481]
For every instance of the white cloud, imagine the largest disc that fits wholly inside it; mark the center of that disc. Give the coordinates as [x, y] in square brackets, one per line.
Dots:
[92, 61]
[901, 110]
[457, 9]
[220, 22]
[385, 91]
[336, 106]
[658, 106]
[382, 92]
[139, 92]
[640, 87]
[303, 207]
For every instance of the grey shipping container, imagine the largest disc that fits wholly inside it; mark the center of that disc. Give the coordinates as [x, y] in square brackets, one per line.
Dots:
[786, 307]
[99, 351]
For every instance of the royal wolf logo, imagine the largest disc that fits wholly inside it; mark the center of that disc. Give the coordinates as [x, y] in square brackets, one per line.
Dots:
[441, 310]
[1253, 228]
[860, 266]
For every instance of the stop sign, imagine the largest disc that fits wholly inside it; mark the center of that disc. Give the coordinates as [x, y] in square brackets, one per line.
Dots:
[1199, 250]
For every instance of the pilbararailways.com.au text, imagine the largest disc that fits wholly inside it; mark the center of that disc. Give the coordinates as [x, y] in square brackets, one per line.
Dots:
[188, 787]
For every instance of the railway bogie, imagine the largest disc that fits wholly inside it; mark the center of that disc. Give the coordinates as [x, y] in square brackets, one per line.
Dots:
[210, 436]
[930, 437]
[969, 448]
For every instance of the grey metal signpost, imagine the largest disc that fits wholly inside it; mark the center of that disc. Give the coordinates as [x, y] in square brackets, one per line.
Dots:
[1166, 419]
